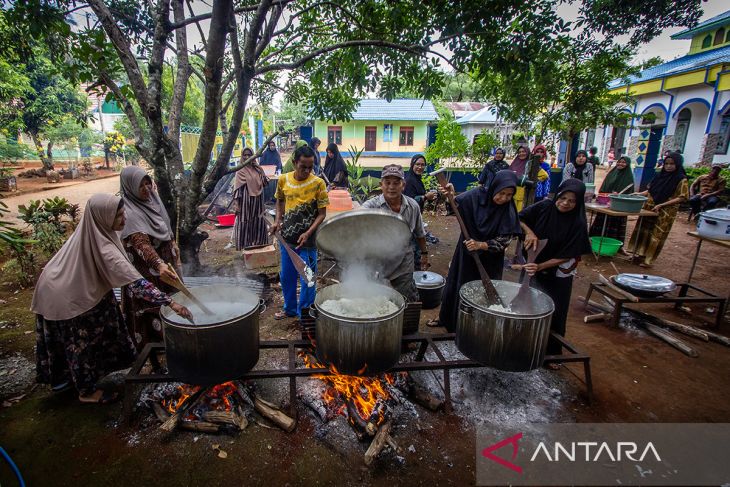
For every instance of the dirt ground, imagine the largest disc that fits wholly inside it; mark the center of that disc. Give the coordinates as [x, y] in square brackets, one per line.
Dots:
[637, 378]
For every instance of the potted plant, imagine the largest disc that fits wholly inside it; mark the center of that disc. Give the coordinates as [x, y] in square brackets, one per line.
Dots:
[8, 182]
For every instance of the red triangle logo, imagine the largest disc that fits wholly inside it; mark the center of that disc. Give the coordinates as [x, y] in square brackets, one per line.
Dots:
[513, 440]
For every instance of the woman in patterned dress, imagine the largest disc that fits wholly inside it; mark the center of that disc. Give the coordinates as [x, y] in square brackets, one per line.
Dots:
[148, 240]
[80, 331]
[248, 197]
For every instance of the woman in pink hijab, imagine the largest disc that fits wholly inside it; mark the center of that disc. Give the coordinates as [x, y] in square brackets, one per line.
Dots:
[80, 331]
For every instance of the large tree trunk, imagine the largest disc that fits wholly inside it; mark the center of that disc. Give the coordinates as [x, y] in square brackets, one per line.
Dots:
[45, 157]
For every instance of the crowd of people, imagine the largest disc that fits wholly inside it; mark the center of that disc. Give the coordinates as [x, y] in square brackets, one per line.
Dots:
[128, 242]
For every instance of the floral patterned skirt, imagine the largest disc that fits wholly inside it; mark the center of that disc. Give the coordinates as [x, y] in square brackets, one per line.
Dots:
[85, 348]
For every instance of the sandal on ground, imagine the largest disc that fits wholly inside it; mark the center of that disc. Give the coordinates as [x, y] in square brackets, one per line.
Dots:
[281, 315]
[645, 265]
[552, 366]
[433, 323]
[107, 397]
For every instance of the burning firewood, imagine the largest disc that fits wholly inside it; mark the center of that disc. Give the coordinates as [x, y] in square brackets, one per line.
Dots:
[226, 417]
[160, 412]
[267, 410]
[378, 443]
[422, 396]
[172, 421]
[200, 426]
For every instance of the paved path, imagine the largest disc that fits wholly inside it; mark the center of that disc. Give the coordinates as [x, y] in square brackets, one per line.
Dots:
[75, 194]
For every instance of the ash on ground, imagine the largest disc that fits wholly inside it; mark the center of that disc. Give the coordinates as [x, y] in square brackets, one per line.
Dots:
[17, 374]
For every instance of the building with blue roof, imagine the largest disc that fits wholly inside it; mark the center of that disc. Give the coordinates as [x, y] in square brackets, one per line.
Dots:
[683, 104]
[398, 128]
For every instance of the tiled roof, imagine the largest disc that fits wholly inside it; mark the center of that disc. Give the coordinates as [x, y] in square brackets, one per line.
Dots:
[398, 109]
[707, 25]
[485, 115]
[680, 65]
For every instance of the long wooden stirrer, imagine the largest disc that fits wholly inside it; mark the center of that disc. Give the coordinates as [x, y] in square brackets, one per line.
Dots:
[491, 292]
[178, 284]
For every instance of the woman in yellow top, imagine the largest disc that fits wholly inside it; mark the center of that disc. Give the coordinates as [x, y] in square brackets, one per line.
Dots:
[668, 189]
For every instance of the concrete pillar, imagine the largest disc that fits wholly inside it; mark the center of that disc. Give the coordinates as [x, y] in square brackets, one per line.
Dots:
[707, 150]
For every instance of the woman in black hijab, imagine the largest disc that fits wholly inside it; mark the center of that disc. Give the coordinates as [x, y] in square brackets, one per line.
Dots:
[271, 157]
[490, 217]
[335, 169]
[668, 189]
[493, 167]
[414, 184]
[314, 144]
[562, 221]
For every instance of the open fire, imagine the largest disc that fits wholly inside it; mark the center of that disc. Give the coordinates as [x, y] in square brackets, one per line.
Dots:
[216, 398]
[364, 401]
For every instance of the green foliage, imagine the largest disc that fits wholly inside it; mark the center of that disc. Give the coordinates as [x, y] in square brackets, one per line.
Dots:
[695, 172]
[484, 144]
[10, 152]
[451, 145]
[46, 221]
[21, 268]
[291, 116]
[461, 87]
[87, 139]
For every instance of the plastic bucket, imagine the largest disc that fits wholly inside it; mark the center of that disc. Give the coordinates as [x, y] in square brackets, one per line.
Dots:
[605, 246]
[627, 203]
[227, 220]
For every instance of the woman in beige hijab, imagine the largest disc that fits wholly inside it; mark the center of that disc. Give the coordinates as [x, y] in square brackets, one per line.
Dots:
[248, 195]
[80, 330]
[148, 240]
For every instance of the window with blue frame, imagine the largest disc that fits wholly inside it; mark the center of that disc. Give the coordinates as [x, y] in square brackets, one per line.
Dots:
[388, 132]
[724, 134]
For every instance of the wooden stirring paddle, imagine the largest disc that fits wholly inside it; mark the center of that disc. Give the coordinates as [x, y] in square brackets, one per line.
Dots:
[178, 284]
[522, 302]
[491, 292]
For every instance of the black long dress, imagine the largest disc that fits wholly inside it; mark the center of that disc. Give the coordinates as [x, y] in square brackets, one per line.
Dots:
[567, 236]
[486, 222]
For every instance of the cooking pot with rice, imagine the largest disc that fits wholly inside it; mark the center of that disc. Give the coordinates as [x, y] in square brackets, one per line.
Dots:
[359, 333]
[219, 347]
[496, 337]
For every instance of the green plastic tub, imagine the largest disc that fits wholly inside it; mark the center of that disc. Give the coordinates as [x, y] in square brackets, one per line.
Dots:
[627, 203]
[608, 246]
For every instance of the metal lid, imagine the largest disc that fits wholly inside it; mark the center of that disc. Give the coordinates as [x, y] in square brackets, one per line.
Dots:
[717, 214]
[428, 280]
[645, 282]
[374, 236]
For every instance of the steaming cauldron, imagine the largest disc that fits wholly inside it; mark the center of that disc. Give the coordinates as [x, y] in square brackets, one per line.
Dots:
[216, 352]
[358, 346]
[502, 339]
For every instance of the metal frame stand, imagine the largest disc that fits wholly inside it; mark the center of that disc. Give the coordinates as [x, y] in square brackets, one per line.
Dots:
[135, 377]
[678, 300]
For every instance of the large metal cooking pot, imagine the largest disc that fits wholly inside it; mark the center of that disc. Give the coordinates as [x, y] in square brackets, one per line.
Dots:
[430, 287]
[501, 339]
[358, 346]
[644, 284]
[217, 352]
[714, 224]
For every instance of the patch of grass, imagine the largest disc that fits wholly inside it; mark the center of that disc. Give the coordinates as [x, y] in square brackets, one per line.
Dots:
[17, 310]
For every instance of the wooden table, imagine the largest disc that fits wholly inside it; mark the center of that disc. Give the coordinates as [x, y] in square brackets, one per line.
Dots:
[700, 239]
[605, 210]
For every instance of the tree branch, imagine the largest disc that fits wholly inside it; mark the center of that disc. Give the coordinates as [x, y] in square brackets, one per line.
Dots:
[183, 74]
[121, 44]
[417, 50]
[238, 10]
[269, 31]
[128, 111]
[197, 24]
[253, 157]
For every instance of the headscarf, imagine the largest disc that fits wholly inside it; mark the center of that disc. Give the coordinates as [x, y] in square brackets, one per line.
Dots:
[540, 146]
[665, 183]
[484, 218]
[334, 165]
[578, 174]
[89, 265]
[289, 166]
[271, 157]
[492, 167]
[148, 217]
[251, 175]
[617, 179]
[518, 165]
[567, 233]
[414, 182]
[317, 161]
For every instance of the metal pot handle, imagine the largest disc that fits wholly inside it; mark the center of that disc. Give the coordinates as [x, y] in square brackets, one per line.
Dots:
[313, 313]
[469, 310]
[262, 306]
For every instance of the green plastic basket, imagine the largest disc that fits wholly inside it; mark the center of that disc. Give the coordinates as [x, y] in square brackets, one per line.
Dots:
[608, 246]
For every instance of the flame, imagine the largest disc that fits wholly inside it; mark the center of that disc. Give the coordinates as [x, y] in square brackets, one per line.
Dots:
[185, 391]
[217, 398]
[364, 393]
